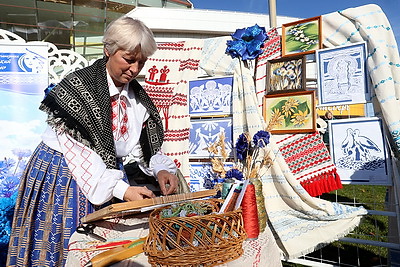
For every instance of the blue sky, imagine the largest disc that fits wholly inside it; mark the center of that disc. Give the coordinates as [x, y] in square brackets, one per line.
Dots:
[303, 8]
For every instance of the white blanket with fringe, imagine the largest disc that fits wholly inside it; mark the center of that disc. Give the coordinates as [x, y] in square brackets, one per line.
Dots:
[300, 222]
[369, 23]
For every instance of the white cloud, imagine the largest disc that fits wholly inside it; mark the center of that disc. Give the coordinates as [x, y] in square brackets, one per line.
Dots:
[15, 135]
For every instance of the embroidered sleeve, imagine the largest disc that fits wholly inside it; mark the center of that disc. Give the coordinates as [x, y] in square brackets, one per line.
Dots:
[96, 182]
[159, 162]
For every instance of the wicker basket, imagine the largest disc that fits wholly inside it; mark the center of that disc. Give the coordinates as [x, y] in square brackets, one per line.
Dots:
[206, 240]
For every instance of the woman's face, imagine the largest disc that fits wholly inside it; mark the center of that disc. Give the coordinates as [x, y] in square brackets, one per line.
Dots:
[124, 66]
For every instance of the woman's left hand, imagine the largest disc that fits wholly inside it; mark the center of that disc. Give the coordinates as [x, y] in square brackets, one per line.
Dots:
[165, 178]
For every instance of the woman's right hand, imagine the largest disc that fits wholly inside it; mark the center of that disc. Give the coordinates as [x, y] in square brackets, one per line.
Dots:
[138, 193]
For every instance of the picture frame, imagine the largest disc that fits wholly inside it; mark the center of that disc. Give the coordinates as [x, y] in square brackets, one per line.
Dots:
[205, 132]
[359, 151]
[342, 75]
[302, 36]
[292, 112]
[286, 74]
[210, 97]
[202, 176]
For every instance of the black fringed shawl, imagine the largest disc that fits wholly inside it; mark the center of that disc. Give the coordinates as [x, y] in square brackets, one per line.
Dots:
[80, 106]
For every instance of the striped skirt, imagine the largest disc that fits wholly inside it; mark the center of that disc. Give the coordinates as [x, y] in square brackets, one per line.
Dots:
[48, 209]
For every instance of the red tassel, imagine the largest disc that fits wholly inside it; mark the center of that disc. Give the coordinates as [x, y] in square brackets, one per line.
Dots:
[321, 184]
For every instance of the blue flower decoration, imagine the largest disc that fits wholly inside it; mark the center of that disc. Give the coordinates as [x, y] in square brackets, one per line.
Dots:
[261, 138]
[247, 42]
[242, 147]
[234, 173]
[6, 216]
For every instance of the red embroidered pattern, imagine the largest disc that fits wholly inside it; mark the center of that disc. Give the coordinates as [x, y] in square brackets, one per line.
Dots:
[119, 118]
[84, 172]
[176, 135]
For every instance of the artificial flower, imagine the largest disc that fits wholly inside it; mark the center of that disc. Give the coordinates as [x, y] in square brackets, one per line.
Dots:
[234, 173]
[247, 43]
[251, 157]
[242, 146]
[261, 138]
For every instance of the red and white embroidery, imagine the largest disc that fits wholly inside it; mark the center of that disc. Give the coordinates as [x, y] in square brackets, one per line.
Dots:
[119, 118]
[76, 152]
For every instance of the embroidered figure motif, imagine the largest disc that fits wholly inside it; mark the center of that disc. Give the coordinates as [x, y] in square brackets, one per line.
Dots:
[163, 76]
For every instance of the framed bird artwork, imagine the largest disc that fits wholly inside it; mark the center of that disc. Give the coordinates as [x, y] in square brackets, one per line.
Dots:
[359, 151]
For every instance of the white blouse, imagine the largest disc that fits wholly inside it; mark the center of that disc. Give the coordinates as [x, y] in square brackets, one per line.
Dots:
[98, 183]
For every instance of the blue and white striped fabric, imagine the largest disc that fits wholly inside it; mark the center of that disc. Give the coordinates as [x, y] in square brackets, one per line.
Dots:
[49, 208]
[247, 116]
[369, 23]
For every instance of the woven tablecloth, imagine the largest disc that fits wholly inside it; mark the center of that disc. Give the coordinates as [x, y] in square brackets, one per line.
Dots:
[262, 252]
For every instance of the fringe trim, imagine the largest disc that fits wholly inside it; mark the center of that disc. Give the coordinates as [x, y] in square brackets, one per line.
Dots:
[355, 222]
[59, 125]
[323, 183]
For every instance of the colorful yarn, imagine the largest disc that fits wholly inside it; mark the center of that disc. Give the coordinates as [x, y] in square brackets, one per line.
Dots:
[249, 213]
[262, 213]
[226, 186]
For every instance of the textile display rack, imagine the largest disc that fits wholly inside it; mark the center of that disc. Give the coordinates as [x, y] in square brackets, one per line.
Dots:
[298, 222]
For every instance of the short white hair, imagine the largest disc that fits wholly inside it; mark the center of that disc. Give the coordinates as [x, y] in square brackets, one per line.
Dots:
[129, 34]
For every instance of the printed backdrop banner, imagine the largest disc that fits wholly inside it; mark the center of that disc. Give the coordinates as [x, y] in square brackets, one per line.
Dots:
[23, 78]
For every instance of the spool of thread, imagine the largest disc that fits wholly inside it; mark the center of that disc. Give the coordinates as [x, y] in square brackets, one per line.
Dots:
[249, 213]
[262, 213]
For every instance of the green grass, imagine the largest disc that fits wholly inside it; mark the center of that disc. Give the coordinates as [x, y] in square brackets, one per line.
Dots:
[372, 227]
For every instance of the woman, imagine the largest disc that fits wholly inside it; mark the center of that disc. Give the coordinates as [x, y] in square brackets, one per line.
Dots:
[96, 116]
[328, 117]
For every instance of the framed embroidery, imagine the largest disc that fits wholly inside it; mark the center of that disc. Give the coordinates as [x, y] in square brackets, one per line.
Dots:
[286, 74]
[204, 132]
[292, 112]
[203, 177]
[341, 75]
[210, 97]
[359, 151]
[302, 36]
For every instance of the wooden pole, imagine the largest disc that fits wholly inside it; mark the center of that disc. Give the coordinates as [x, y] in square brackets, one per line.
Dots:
[272, 13]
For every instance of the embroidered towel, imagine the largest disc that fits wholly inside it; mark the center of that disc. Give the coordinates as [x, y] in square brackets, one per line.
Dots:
[308, 158]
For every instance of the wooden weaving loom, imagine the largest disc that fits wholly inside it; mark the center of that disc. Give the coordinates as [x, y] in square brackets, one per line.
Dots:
[132, 207]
